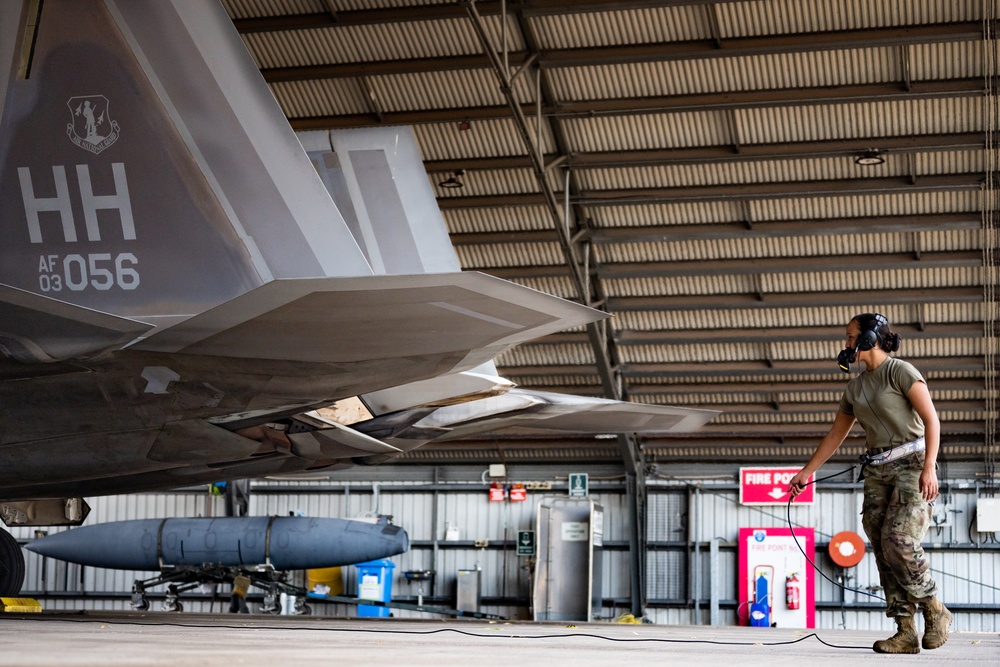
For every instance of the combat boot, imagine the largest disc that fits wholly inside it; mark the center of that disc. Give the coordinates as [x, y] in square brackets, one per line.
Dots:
[937, 618]
[904, 641]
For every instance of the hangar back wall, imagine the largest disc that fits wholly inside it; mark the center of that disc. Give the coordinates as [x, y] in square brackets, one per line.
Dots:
[689, 507]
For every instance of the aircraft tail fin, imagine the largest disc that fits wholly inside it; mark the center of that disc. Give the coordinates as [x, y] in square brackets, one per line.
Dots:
[146, 169]
[377, 179]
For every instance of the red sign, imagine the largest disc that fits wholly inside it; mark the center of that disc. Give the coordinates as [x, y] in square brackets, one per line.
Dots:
[769, 486]
[518, 494]
[497, 493]
[772, 558]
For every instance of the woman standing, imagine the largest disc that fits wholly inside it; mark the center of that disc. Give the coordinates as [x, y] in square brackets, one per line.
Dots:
[891, 401]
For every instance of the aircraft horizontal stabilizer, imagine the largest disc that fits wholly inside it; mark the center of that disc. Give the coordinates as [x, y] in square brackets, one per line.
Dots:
[38, 329]
[532, 409]
[583, 414]
[463, 319]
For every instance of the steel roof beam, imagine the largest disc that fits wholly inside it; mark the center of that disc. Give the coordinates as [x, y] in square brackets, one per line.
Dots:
[785, 334]
[772, 265]
[742, 191]
[446, 11]
[723, 154]
[724, 371]
[862, 93]
[630, 54]
[776, 301]
[635, 53]
[738, 230]
[721, 372]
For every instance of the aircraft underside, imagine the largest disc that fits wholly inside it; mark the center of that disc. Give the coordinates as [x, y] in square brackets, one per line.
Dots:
[128, 425]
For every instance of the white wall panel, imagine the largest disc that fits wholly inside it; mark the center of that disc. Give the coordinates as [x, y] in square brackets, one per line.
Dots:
[964, 575]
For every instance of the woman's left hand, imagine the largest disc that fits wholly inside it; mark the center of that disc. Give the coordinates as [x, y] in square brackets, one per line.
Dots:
[929, 484]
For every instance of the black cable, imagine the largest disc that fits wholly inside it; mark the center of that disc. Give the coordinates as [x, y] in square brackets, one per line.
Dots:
[788, 516]
[562, 635]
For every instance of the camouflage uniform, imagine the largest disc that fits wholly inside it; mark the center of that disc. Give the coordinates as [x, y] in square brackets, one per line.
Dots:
[896, 518]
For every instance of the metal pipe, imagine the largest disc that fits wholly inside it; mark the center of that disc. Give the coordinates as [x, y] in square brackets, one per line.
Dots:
[696, 573]
[503, 28]
[435, 501]
[713, 593]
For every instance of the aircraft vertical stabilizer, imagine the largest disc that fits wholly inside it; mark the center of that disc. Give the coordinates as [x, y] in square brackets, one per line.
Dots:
[377, 179]
[145, 169]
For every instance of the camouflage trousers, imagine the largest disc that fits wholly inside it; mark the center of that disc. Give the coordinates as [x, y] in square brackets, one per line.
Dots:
[896, 517]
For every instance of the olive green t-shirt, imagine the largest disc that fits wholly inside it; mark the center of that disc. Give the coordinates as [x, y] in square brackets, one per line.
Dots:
[878, 401]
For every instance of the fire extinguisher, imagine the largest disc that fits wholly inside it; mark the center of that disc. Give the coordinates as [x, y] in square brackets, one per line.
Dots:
[792, 591]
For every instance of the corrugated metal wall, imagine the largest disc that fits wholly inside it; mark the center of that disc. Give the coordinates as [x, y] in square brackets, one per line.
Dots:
[686, 512]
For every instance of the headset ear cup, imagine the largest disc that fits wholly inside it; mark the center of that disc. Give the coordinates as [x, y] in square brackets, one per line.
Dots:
[867, 340]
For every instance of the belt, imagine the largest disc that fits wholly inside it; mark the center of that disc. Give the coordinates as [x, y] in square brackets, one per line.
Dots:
[893, 453]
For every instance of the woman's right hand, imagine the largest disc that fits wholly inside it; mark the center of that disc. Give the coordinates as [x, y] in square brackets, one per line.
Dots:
[798, 483]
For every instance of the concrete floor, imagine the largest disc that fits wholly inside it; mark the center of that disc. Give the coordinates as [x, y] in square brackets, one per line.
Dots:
[110, 639]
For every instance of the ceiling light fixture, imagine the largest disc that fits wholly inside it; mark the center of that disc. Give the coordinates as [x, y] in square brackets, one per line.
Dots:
[452, 181]
[869, 158]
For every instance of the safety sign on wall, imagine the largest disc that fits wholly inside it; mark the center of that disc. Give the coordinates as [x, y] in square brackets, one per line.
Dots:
[579, 485]
[776, 582]
[769, 486]
[525, 543]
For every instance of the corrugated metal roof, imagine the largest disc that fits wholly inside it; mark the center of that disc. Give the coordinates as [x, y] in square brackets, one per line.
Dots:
[375, 42]
[636, 132]
[454, 88]
[536, 355]
[320, 97]
[509, 254]
[519, 218]
[484, 138]
[632, 26]
[712, 150]
[241, 9]
[681, 213]
[769, 72]
[774, 125]
[864, 206]
[559, 286]
[873, 119]
[742, 19]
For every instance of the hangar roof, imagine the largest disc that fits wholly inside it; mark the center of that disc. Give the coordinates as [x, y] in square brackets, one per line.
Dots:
[733, 181]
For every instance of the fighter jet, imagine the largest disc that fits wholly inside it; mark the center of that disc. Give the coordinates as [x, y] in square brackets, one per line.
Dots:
[183, 284]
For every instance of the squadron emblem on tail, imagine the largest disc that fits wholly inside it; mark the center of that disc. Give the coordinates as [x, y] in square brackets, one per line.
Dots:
[92, 127]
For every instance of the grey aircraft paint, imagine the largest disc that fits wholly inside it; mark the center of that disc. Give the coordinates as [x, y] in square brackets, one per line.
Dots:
[178, 288]
[175, 271]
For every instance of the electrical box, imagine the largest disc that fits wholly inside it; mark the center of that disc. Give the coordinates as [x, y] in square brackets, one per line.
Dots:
[467, 597]
[988, 515]
[498, 470]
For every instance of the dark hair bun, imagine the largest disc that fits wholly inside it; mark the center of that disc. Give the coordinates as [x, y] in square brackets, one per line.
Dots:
[892, 342]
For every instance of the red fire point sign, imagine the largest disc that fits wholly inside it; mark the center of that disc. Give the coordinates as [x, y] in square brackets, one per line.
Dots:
[497, 493]
[769, 486]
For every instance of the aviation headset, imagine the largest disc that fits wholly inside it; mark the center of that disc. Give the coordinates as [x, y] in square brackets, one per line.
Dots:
[869, 337]
[865, 341]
